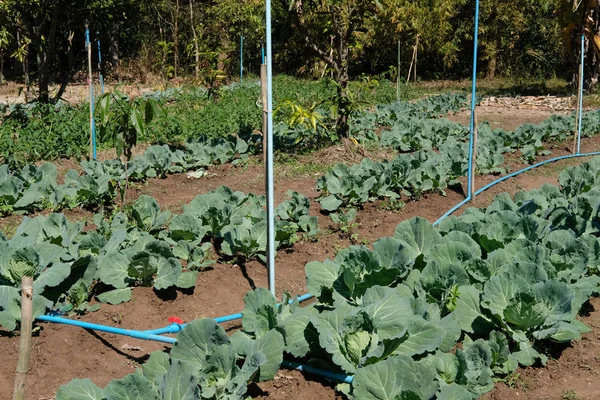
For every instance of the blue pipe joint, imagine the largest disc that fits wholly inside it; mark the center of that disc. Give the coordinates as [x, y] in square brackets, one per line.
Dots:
[170, 329]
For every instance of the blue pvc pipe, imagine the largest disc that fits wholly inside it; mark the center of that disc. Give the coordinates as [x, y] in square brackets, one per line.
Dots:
[173, 328]
[233, 317]
[511, 175]
[228, 318]
[241, 57]
[451, 211]
[269, 160]
[580, 94]
[104, 328]
[262, 54]
[92, 99]
[163, 339]
[473, 94]
[148, 336]
[317, 371]
[100, 64]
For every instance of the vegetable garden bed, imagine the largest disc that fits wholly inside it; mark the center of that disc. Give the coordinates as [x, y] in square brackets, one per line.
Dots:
[214, 300]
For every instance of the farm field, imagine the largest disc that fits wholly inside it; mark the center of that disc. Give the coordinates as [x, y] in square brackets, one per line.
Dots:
[229, 266]
[332, 200]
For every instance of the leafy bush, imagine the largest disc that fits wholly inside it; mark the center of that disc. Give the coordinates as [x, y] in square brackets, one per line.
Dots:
[142, 246]
[43, 132]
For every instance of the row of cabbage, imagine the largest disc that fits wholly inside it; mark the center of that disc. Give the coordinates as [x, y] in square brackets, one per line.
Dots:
[427, 313]
[407, 133]
[434, 155]
[143, 246]
[36, 188]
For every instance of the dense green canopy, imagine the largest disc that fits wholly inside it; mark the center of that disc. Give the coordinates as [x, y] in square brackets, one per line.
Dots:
[43, 40]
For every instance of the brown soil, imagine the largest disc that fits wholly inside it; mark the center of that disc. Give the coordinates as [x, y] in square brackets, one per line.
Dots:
[61, 353]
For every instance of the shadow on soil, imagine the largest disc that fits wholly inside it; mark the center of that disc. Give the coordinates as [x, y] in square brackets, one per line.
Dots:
[529, 89]
[140, 360]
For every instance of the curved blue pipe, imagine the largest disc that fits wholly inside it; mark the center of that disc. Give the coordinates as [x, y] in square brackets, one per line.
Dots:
[452, 210]
[233, 317]
[155, 334]
[174, 328]
[511, 175]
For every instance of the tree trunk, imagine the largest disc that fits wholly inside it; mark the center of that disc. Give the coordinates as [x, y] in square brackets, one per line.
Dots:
[342, 78]
[343, 104]
[26, 75]
[221, 61]
[19, 66]
[24, 66]
[591, 65]
[70, 56]
[491, 69]
[23, 63]
[196, 50]
[46, 54]
[1, 69]
[114, 46]
[416, 58]
[589, 27]
[176, 40]
[223, 55]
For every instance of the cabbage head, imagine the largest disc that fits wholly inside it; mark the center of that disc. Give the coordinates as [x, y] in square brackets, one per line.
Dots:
[21, 262]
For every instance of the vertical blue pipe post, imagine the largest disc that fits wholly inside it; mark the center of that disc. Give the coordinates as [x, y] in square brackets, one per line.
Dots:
[398, 74]
[100, 64]
[241, 57]
[262, 53]
[88, 46]
[581, 70]
[473, 94]
[269, 175]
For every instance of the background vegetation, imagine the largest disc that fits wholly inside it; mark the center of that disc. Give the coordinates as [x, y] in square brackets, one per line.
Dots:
[43, 40]
[343, 54]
